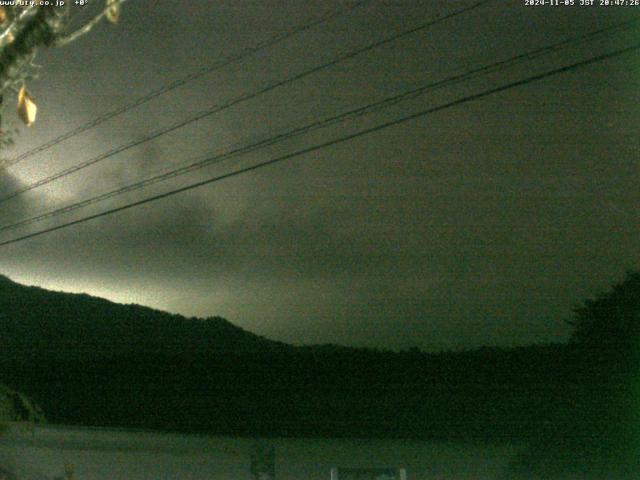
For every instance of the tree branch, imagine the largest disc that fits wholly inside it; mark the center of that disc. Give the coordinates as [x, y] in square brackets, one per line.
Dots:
[61, 41]
[17, 25]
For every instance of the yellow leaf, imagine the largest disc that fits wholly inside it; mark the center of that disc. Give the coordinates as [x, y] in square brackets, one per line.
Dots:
[113, 11]
[9, 39]
[26, 107]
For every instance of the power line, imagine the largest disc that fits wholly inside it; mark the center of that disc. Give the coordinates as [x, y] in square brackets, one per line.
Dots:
[335, 141]
[386, 102]
[180, 82]
[237, 100]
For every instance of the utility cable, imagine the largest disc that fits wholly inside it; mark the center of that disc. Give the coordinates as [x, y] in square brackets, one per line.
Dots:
[233, 59]
[335, 141]
[237, 100]
[386, 102]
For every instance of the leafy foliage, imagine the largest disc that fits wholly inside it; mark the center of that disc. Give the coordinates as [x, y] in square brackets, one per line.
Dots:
[15, 407]
[595, 432]
[612, 320]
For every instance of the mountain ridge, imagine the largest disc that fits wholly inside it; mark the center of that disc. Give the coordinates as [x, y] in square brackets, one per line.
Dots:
[79, 320]
[92, 362]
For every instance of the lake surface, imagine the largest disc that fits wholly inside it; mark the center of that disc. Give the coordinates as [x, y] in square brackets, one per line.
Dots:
[38, 452]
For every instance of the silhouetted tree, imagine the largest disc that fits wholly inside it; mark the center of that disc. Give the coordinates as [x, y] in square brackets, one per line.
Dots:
[606, 341]
[610, 323]
[595, 431]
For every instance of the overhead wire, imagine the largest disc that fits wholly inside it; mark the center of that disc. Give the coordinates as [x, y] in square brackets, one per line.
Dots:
[238, 100]
[225, 62]
[348, 115]
[335, 141]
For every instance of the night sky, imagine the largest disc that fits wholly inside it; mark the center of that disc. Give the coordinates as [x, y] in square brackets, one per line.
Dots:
[482, 224]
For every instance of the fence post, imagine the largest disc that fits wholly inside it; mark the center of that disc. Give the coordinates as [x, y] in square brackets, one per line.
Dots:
[263, 461]
[69, 471]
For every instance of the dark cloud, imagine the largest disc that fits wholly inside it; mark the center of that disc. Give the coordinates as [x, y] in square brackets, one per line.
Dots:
[483, 224]
[16, 208]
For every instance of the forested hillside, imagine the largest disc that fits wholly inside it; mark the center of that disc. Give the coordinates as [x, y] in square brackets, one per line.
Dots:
[92, 362]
